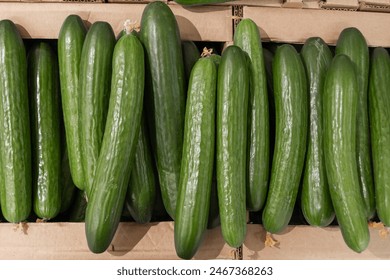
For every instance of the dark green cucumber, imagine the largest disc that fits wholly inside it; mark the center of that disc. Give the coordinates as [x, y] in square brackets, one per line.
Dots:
[94, 91]
[141, 192]
[78, 207]
[45, 130]
[70, 45]
[231, 130]
[15, 143]
[193, 200]
[379, 112]
[190, 56]
[116, 158]
[165, 95]
[340, 105]
[316, 203]
[352, 43]
[291, 113]
[67, 185]
[247, 37]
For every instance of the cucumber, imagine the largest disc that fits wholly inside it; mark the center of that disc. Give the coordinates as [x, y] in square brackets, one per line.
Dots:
[94, 91]
[67, 185]
[15, 142]
[352, 43]
[190, 56]
[116, 157]
[141, 191]
[340, 105]
[316, 203]
[78, 207]
[231, 129]
[193, 200]
[291, 113]
[247, 37]
[70, 44]
[379, 104]
[45, 130]
[165, 95]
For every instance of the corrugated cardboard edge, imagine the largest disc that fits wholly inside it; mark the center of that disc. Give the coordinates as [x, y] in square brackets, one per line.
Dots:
[374, 7]
[343, 5]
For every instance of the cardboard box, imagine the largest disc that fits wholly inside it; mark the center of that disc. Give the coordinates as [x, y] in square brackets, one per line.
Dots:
[296, 25]
[375, 5]
[66, 241]
[349, 5]
[44, 20]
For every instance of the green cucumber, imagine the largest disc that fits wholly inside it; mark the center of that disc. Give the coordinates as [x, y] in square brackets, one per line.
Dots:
[67, 185]
[15, 143]
[247, 37]
[291, 113]
[231, 142]
[316, 203]
[141, 192]
[340, 107]
[45, 130]
[70, 44]
[379, 112]
[193, 200]
[78, 207]
[352, 43]
[115, 161]
[94, 90]
[165, 95]
[190, 56]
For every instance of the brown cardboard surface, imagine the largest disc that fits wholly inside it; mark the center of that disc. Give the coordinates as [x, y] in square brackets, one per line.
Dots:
[44, 20]
[341, 4]
[66, 241]
[311, 4]
[375, 5]
[327, 24]
[297, 4]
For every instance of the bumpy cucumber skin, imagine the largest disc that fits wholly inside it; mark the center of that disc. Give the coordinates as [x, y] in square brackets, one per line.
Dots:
[70, 44]
[232, 112]
[15, 143]
[379, 112]
[352, 43]
[340, 104]
[45, 130]
[193, 202]
[106, 201]
[141, 192]
[247, 37]
[165, 95]
[291, 109]
[94, 91]
[316, 203]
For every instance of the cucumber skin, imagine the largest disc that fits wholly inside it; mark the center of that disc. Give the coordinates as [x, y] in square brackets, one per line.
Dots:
[67, 185]
[165, 95]
[116, 158]
[45, 130]
[141, 191]
[193, 202]
[94, 91]
[379, 104]
[352, 43]
[231, 143]
[190, 56]
[316, 203]
[247, 37]
[15, 142]
[70, 43]
[291, 109]
[340, 112]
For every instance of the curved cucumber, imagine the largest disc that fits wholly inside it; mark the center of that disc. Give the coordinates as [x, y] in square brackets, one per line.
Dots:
[94, 91]
[15, 145]
[247, 37]
[291, 110]
[106, 201]
[315, 198]
[165, 95]
[232, 113]
[340, 105]
[45, 130]
[352, 43]
[379, 105]
[141, 192]
[70, 45]
[193, 201]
